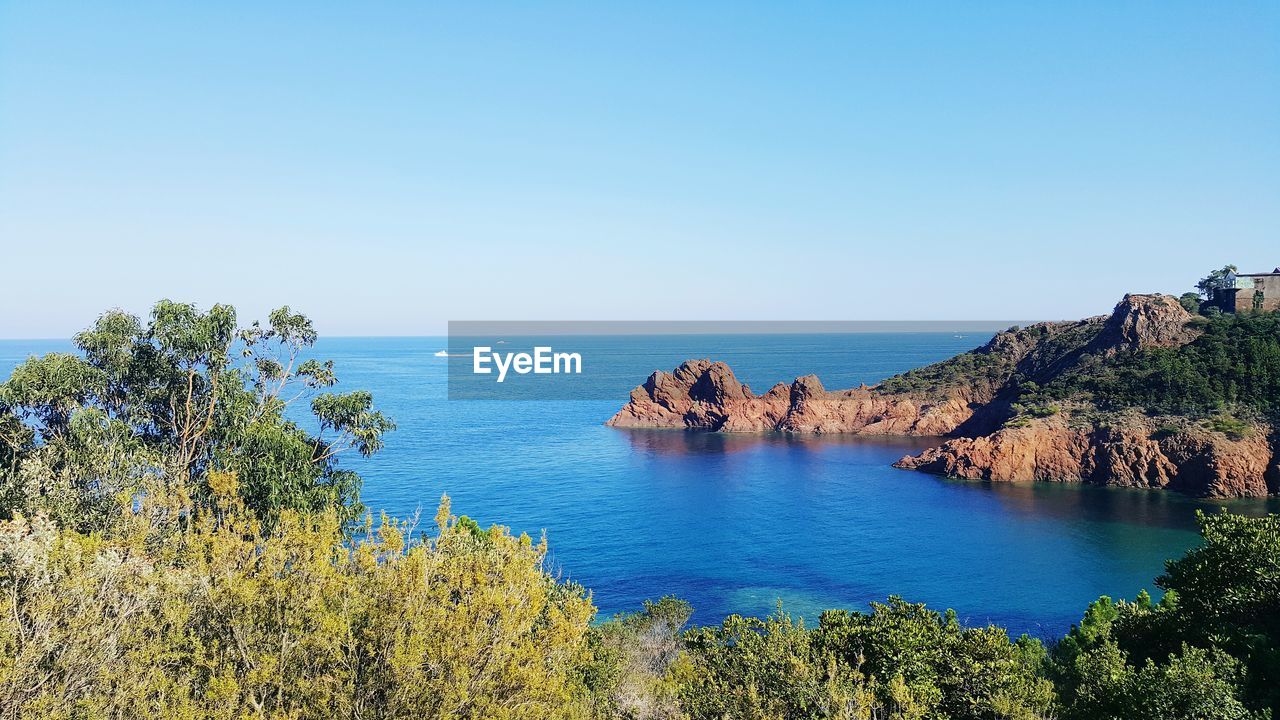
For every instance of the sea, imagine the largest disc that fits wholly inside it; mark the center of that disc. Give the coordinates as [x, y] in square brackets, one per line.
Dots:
[748, 524]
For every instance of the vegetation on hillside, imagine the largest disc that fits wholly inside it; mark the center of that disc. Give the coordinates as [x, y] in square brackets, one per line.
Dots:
[1234, 363]
[963, 370]
[1231, 369]
[173, 546]
[1016, 356]
[224, 619]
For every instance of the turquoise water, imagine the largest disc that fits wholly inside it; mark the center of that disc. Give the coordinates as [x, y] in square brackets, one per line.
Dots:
[738, 523]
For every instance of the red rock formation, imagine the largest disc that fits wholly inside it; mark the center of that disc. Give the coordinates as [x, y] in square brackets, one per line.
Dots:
[705, 395]
[1144, 321]
[1191, 460]
[971, 396]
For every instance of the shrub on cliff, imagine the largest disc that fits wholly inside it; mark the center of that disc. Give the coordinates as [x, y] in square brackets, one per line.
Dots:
[962, 370]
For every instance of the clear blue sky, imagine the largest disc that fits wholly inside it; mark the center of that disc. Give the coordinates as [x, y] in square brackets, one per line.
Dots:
[386, 167]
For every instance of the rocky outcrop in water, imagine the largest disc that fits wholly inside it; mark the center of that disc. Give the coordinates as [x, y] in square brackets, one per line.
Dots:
[705, 395]
[974, 398]
[935, 400]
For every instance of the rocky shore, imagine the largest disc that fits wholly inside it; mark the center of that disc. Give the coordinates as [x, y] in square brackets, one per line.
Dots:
[705, 395]
[976, 404]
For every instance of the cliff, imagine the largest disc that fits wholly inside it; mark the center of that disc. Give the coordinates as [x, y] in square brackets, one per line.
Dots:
[1171, 453]
[705, 395]
[1041, 403]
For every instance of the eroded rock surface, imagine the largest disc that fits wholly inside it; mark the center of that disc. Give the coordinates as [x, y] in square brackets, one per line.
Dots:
[705, 395]
[1190, 459]
[972, 398]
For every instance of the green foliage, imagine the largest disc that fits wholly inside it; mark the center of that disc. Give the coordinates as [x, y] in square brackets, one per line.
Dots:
[946, 669]
[149, 407]
[1228, 593]
[1037, 411]
[1230, 426]
[1208, 649]
[963, 369]
[754, 668]
[1193, 684]
[219, 616]
[1215, 281]
[900, 660]
[632, 657]
[223, 619]
[1235, 362]
[47, 390]
[1190, 302]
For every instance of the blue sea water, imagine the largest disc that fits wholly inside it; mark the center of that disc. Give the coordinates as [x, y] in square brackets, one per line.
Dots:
[741, 523]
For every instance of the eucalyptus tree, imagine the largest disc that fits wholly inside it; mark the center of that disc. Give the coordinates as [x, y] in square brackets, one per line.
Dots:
[160, 404]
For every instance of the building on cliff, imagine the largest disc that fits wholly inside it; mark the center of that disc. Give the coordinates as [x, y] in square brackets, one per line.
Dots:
[1249, 291]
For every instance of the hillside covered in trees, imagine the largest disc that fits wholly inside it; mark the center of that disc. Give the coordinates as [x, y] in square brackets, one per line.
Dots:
[172, 545]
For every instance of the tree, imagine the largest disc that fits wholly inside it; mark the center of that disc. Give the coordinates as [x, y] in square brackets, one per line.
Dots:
[900, 660]
[1190, 302]
[1208, 649]
[1228, 593]
[161, 405]
[1215, 281]
[758, 669]
[906, 650]
[1194, 684]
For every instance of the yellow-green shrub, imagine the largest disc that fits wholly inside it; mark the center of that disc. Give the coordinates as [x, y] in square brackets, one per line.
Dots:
[209, 617]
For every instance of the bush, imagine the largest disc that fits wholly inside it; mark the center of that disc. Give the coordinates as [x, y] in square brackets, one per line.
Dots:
[1230, 426]
[224, 620]
[1192, 684]
[764, 668]
[1043, 411]
[629, 674]
[900, 660]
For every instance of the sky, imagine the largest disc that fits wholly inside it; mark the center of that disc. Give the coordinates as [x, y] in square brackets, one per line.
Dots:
[387, 167]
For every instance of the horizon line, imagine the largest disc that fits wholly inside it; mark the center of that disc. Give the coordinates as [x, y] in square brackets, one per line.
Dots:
[829, 327]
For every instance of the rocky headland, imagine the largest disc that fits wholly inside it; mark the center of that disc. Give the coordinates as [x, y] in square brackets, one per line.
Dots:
[1048, 402]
